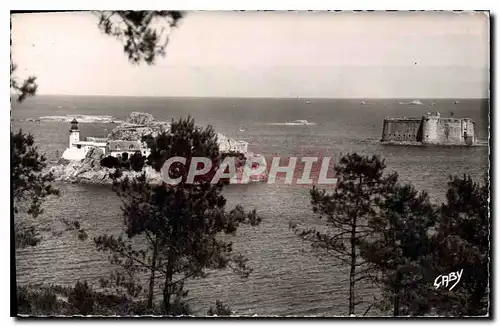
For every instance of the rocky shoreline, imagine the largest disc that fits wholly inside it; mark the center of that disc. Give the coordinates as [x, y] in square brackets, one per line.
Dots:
[137, 125]
[89, 171]
[79, 172]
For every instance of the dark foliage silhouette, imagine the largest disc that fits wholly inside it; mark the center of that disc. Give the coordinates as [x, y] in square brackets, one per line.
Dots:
[347, 211]
[180, 225]
[220, 309]
[23, 89]
[30, 185]
[462, 241]
[400, 249]
[137, 161]
[144, 34]
[110, 162]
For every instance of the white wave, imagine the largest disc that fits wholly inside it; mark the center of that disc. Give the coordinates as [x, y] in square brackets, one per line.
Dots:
[416, 102]
[300, 122]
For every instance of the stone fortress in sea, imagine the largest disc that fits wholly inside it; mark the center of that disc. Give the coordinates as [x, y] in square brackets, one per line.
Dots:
[431, 129]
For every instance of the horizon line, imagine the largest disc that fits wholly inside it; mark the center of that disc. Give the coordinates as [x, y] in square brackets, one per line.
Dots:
[259, 97]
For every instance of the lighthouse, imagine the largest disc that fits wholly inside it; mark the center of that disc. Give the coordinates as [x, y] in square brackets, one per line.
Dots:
[74, 133]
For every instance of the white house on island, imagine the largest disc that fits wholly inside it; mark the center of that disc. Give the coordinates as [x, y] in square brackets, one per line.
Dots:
[118, 147]
[77, 149]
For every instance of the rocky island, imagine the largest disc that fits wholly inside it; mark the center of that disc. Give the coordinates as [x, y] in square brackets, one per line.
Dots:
[81, 161]
[102, 119]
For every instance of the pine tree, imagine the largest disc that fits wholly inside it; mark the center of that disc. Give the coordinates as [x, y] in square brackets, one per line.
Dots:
[143, 33]
[400, 250]
[30, 186]
[180, 226]
[347, 211]
[462, 242]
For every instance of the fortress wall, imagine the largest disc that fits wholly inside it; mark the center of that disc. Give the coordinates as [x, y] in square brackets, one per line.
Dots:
[401, 130]
[430, 130]
[469, 128]
[450, 131]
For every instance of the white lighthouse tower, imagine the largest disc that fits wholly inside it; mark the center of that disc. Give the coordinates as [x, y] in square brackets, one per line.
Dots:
[74, 133]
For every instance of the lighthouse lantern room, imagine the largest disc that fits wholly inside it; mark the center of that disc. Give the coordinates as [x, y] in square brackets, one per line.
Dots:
[74, 133]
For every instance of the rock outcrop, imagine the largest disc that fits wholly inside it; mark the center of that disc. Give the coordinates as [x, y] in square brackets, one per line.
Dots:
[137, 125]
[93, 158]
[103, 119]
[140, 124]
[90, 171]
[131, 132]
[140, 118]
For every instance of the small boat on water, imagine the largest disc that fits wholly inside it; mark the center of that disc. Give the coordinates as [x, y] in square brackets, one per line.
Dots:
[242, 130]
[300, 122]
[308, 101]
[456, 102]
[363, 102]
[413, 102]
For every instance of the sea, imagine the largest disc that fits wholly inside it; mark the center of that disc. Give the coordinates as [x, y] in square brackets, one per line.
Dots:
[289, 278]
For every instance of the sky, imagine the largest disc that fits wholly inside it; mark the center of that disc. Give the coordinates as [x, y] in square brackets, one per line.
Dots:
[265, 54]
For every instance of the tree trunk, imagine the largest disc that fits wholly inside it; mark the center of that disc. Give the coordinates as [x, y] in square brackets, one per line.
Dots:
[167, 291]
[152, 276]
[352, 274]
[166, 296]
[397, 294]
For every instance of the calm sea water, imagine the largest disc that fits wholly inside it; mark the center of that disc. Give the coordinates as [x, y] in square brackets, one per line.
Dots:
[288, 279]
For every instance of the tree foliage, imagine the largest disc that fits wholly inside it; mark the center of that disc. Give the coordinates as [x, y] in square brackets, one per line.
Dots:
[83, 299]
[185, 140]
[23, 89]
[181, 226]
[400, 249]
[110, 162]
[220, 309]
[144, 34]
[30, 185]
[29, 182]
[137, 161]
[80, 299]
[462, 241]
[393, 235]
